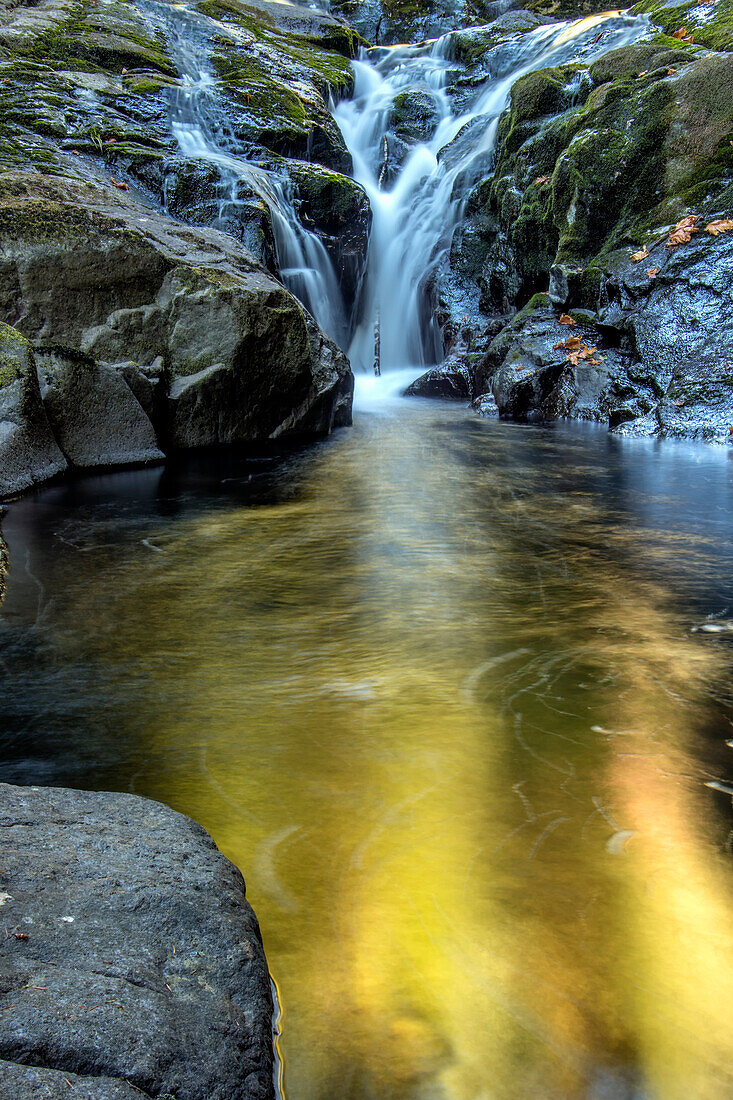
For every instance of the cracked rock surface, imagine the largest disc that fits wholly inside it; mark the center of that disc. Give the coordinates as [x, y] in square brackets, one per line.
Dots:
[130, 961]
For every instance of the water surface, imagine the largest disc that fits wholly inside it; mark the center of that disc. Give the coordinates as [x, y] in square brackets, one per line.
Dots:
[434, 685]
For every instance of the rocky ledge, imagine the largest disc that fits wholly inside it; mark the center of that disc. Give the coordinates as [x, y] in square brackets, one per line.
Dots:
[132, 964]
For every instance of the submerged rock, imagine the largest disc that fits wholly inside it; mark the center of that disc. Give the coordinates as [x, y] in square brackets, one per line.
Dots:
[133, 962]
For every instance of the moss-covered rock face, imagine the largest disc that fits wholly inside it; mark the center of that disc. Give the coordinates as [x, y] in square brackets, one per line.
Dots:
[709, 24]
[102, 77]
[148, 332]
[590, 160]
[337, 210]
[594, 164]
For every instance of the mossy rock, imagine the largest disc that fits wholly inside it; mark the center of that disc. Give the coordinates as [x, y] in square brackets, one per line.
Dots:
[537, 94]
[632, 61]
[710, 25]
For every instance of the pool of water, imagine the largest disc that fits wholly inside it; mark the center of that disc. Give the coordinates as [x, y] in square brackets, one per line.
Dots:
[438, 686]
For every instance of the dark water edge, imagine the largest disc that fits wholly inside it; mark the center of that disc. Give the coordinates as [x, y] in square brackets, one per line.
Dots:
[427, 652]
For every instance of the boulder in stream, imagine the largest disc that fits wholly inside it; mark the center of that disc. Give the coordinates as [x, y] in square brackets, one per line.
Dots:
[133, 964]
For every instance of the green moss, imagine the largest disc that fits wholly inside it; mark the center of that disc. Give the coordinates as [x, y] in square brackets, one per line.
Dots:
[643, 57]
[536, 94]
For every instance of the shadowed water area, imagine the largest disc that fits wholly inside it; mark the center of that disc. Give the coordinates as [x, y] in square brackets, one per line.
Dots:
[436, 685]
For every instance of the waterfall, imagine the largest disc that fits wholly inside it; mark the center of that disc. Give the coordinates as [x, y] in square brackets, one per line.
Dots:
[414, 217]
[415, 212]
[199, 125]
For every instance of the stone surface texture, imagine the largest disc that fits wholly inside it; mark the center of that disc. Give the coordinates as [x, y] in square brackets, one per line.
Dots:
[131, 963]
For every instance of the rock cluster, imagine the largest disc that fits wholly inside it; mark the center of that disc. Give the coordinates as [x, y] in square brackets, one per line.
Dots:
[132, 964]
[595, 167]
[128, 333]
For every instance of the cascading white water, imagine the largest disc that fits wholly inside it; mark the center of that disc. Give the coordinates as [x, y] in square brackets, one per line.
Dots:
[413, 220]
[414, 216]
[196, 121]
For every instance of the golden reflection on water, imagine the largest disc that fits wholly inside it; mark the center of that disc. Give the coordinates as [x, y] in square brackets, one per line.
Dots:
[438, 705]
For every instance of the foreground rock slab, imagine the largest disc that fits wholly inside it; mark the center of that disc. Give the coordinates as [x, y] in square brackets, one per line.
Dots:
[130, 961]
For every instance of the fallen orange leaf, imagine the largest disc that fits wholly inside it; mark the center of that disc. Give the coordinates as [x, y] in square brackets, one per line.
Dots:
[541, 179]
[122, 186]
[642, 254]
[570, 344]
[565, 320]
[653, 272]
[681, 233]
[720, 225]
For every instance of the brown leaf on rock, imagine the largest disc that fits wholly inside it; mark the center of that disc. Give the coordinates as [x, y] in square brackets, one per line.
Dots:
[681, 233]
[542, 179]
[570, 344]
[720, 225]
[121, 186]
[642, 254]
[653, 272]
[566, 320]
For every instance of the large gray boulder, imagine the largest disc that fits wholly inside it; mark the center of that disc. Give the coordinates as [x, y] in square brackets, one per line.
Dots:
[28, 451]
[106, 282]
[132, 959]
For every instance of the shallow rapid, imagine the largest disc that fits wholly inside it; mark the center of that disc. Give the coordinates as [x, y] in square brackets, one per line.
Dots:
[455, 695]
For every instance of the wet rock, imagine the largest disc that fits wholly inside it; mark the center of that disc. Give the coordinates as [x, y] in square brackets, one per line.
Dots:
[94, 415]
[113, 282]
[133, 963]
[450, 380]
[29, 454]
[338, 210]
[387, 22]
[485, 405]
[595, 164]
[540, 369]
[414, 117]
[471, 45]
[199, 193]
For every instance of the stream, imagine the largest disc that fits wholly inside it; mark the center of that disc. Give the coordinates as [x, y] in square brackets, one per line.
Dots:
[455, 694]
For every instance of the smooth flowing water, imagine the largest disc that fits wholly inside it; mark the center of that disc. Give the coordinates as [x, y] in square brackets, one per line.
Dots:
[456, 696]
[414, 217]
